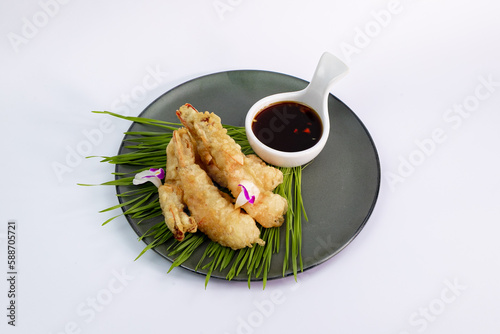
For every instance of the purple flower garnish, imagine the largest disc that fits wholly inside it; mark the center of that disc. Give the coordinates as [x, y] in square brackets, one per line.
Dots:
[153, 175]
[249, 193]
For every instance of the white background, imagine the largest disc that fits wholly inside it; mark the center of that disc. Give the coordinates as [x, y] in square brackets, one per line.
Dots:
[427, 260]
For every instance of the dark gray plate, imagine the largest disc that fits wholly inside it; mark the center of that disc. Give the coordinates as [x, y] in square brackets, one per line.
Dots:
[340, 187]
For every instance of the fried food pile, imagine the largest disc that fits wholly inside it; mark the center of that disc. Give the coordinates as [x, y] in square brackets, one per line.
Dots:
[200, 154]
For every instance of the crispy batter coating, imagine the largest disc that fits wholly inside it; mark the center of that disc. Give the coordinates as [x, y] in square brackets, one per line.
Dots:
[215, 214]
[173, 210]
[233, 167]
[269, 176]
[171, 202]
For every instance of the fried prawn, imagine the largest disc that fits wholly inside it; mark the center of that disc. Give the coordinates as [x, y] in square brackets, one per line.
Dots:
[233, 167]
[215, 215]
[171, 202]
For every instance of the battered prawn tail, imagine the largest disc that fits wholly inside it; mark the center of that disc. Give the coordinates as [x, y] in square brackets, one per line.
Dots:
[207, 127]
[178, 222]
[184, 148]
[171, 175]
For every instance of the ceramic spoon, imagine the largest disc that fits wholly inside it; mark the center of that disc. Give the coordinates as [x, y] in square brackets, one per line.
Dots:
[328, 71]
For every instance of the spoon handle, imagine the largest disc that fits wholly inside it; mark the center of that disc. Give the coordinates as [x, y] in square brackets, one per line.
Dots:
[329, 70]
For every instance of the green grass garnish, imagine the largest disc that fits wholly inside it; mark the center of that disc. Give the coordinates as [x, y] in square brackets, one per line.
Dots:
[146, 149]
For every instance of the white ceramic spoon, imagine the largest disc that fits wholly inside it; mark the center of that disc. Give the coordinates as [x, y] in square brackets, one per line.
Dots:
[328, 71]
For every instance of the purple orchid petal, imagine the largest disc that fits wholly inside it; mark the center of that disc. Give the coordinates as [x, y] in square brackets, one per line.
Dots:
[250, 199]
[153, 175]
[160, 173]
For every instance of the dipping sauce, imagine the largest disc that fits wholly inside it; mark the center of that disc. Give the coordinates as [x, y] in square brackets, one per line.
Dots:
[288, 126]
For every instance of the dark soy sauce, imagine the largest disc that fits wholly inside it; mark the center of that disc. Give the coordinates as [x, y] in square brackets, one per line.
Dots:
[288, 126]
